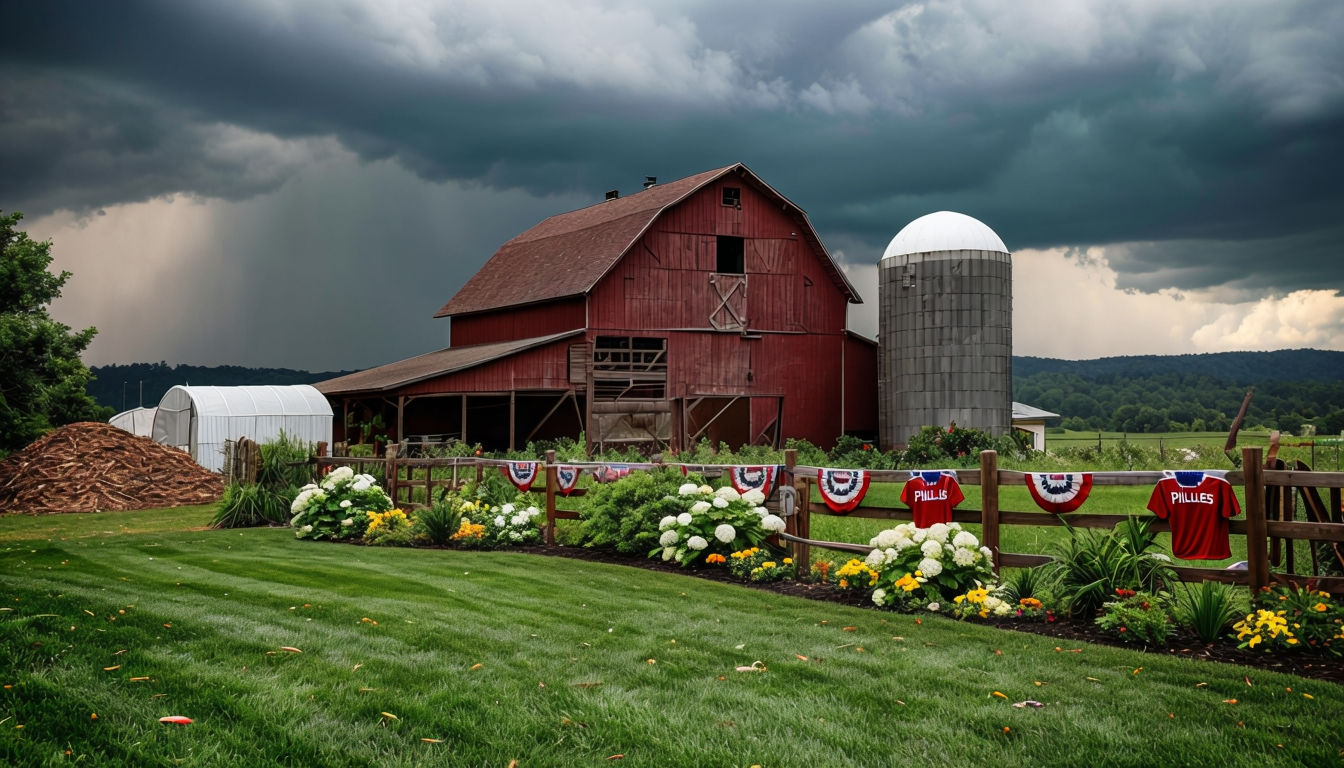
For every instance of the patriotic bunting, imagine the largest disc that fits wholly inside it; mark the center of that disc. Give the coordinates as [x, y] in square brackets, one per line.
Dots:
[761, 479]
[1059, 492]
[610, 473]
[842, 489]
[521, 473]
[566, 478]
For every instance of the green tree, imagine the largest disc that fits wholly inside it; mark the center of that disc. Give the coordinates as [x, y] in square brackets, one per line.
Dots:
[42, 378]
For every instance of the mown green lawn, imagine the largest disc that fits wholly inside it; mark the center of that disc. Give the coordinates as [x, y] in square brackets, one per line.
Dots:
[441, 657]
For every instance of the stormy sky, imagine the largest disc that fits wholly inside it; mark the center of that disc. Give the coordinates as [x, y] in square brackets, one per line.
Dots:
[303, 184]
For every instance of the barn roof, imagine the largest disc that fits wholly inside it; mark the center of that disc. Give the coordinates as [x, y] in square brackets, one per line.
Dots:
[579, 247]
[428, 366]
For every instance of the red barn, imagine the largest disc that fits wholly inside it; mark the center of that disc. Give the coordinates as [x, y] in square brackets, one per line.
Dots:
[702, 308]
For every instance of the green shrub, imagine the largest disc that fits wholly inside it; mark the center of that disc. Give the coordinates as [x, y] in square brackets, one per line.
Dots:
[1137, 617]
[852, 452]
[437, 524]
[1025, 583]
[935, 445]
[1207, 609]
[245, 505]
[624, 515]
[1091, 565]
[1293, 617]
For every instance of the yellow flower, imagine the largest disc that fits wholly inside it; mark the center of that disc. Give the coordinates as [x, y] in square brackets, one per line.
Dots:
[1322, 607]
[788, 561]
[1255, 640]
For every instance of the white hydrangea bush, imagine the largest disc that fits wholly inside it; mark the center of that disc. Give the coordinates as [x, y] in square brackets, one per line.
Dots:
[927, 568]
[337, 508]
[511, 525]
[715, 522]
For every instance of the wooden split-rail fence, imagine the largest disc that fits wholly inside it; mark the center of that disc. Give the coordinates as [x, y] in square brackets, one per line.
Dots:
[1267, 511]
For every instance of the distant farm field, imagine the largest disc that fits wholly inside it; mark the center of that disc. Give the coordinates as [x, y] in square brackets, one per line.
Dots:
[286, 652]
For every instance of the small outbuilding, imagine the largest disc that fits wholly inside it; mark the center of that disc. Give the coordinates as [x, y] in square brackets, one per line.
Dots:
[137, 421]
[199, 420]
[1030, 419]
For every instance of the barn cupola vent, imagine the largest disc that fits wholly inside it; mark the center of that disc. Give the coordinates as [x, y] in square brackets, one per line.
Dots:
[649, 181]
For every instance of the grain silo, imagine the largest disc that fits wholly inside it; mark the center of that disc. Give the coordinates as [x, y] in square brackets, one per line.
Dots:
[945, 329]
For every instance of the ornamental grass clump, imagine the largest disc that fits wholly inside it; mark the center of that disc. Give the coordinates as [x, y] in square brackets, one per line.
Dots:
[1091, 565]
[713, 522]
[1207, 609]
[338, 507]
[919, 568]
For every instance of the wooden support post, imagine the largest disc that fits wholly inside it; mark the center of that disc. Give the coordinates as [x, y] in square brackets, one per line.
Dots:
[1257, 554]
[989, 504]
[513, 416]
[391, 473]
[464, 419]
[401, 418]
[320, 452]
[549, 533]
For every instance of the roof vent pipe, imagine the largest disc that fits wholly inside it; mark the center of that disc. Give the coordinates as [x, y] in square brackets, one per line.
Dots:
[649, 181]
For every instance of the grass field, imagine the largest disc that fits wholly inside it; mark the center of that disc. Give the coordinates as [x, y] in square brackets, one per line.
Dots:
[430, 657]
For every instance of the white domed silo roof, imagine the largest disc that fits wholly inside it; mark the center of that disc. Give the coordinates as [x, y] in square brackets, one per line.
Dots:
[944, 231]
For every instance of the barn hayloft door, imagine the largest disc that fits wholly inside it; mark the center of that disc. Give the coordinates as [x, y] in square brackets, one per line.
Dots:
[730, 302]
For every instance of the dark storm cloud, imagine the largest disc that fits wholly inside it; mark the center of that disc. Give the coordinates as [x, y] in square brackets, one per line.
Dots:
[1209, 140]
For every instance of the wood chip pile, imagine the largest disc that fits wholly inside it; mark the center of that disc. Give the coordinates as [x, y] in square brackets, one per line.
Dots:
[91, 466]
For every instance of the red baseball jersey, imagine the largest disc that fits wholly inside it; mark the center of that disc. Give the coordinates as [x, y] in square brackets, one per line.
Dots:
[1197, 504]
[931, 497]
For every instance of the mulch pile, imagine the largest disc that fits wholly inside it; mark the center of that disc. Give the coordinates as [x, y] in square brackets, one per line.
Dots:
[1183, 643]
[90, 466]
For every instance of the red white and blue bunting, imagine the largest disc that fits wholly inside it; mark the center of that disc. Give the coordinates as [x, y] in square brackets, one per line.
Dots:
[521, 473]
[761, 479]
[1059, 492]
[842, 489]
[610, 473]
[566, 478]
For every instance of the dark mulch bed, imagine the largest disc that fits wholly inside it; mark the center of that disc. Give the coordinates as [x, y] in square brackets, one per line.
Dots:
[1182, 644]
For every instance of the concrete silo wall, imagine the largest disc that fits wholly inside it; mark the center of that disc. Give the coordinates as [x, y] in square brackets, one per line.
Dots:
[945, 338]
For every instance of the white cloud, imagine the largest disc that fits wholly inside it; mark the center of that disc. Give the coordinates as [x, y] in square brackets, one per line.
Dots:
[1067, 305]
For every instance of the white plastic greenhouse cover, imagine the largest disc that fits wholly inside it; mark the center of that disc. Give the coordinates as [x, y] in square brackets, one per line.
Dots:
[199, 419]
[137, 421]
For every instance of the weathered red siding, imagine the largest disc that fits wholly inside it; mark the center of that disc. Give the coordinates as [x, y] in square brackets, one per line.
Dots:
[540, 368]
[860, 386]
[518, 322]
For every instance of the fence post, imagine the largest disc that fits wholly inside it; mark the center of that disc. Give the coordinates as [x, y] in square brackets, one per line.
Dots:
[391, 473]
[1257, 555]
[548, 535]
[319, 452]
[989, 503]
[800, 520]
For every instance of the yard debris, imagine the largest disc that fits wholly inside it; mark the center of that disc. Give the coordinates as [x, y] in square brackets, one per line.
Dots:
[175, 720]
[90, 466]
[756, 666]
[1028, 703]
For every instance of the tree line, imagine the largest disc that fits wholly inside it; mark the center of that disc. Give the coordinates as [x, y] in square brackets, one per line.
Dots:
[1188, 401]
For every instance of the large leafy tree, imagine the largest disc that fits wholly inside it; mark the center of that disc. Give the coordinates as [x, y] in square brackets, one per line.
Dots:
[42, 378]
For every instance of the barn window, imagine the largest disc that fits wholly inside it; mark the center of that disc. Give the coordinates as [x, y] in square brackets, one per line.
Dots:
[629, 366]
[730, 255]
[732, 196]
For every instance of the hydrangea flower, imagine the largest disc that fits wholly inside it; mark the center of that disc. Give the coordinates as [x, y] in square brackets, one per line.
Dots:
[875, 559]
[725, 533]
[754, 496]
[684, 518]
[668, 552]
[668, 538]
[667, 522]
[720, 502]
[879, 597]
[345, 504]
[886, 539]
[939, 532]
[699, 508]
[965, 539]
[727, 493]
[688, 488]
[964, 557]
[773, 523]
[697, 542]
[931, 548]
[930, 567]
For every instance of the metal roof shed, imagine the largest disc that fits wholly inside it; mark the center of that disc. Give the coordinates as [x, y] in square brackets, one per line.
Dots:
[137, 421]
[199, 419]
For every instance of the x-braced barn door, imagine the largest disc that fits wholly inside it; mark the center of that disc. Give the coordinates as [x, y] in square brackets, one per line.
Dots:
[730, 311]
